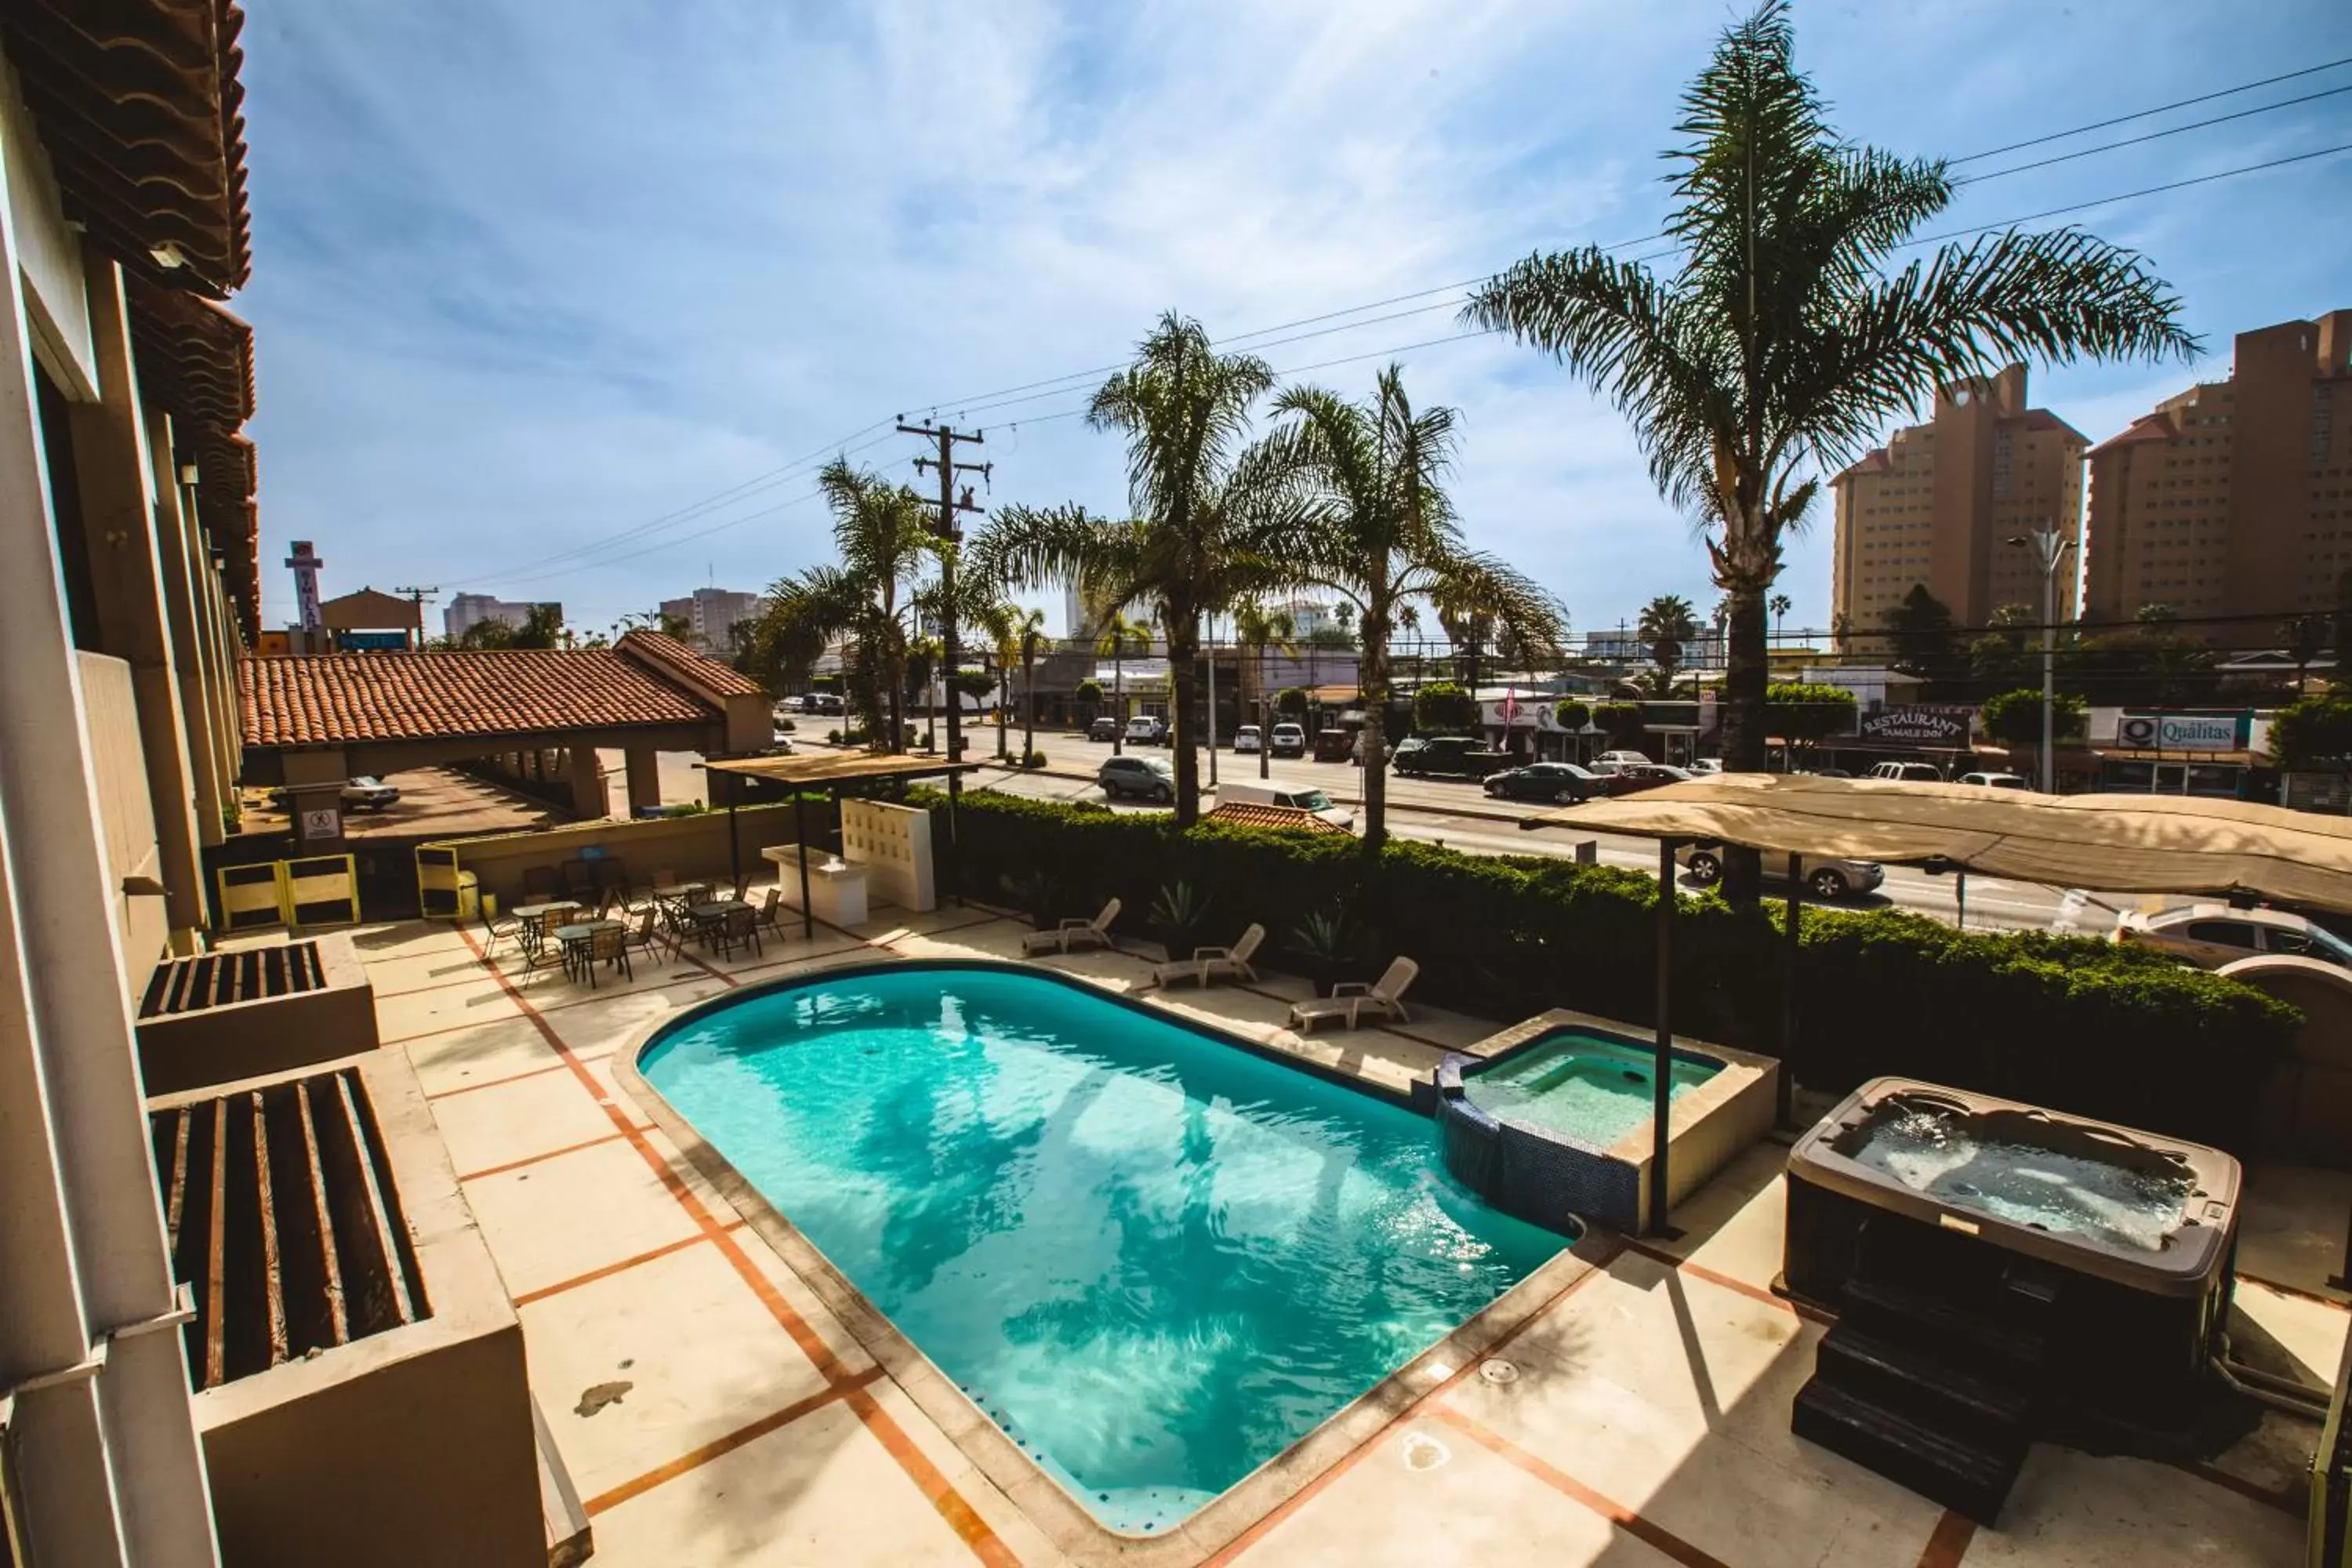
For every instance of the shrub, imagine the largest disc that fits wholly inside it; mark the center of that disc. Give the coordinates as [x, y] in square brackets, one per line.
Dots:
[1805, 712]
[1571, 715]
[2314, 732]
[2015, 716]
[1621, 721]
[1291, 702]
[2072, 1023]
[1442, 705]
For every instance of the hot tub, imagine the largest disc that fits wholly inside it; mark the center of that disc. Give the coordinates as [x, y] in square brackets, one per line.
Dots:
[2091, 1262]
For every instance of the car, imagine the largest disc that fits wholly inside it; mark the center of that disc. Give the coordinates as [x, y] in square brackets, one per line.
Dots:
[1993, 780]
[1289, 741]
[823, 702]
[1248, 738]
[368, 793]
[1105, 728]
[1147, 730]
[1560, 782]
[2210, 935]
[1448, 756]
[1632, 778]
[1908, 773]
[1308, 799]
[1827, 877]
[1337, 745]
[781, 741]
[1146, 778]
[1610, 762]
[1707, 765]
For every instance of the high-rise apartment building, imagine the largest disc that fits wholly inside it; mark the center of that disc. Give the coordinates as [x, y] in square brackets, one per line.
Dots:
[2233, 498]
[710, 615]
[1939, 503]
[468, 611]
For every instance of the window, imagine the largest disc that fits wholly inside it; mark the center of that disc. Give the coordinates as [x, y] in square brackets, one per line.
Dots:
[2226, 934]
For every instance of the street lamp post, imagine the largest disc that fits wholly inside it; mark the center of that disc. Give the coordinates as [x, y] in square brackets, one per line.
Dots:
[2049, 548]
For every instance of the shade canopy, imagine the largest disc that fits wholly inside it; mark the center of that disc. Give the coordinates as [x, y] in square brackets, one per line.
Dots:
[835, 767]
[2108, 842]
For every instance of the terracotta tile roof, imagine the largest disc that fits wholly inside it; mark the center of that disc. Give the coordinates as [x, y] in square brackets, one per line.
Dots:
[713, 677]
[1874, 461]
[1249, 814]
[332, 699]
[2157, 426]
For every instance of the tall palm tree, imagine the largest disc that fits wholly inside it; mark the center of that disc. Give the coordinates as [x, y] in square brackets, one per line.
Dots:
[1258, 628]
[2307, 638]
[1780, 605]
[865, 598]
[1209, 521]
[1467, 627]
[1029, 640]
[998, 625]
[1785, 338]
[1668, 625]
[1113, 633]
[1381, 531]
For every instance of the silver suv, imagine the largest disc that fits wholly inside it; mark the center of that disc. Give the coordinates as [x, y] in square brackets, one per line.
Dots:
[1827, 878]
[1146, 778]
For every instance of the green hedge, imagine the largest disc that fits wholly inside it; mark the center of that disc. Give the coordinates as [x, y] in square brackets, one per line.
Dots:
[2072, 1023]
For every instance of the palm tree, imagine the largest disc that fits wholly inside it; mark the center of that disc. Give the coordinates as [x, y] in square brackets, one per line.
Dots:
[1786, 340]
[1115, 632]
[1668, 623]
[1210, 523]
[864, 599]
[1257, 628]
[1029, 638]
[2307, 638]
[1780, 605]
[1381, 531]
[999, 621]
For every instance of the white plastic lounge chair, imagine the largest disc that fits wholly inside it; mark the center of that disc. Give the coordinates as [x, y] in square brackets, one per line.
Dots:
[1355, 1001]
[1209, 964]
[1072, 934]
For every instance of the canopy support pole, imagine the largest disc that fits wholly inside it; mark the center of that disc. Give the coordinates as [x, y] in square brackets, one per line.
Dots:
[800, 831]
[955, 849]
[1960, 898]
[1662, 1069]
[734, 844]
[1784, 1097]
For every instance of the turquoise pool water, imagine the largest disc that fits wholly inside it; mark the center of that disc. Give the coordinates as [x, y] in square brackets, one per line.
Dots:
[1587, 1086]
[1155, 1259]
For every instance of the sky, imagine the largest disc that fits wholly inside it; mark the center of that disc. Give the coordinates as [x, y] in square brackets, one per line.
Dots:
[568, 300]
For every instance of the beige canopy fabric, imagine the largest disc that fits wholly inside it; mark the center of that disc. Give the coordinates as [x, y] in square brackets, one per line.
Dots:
[2107, 843]
[835, 767]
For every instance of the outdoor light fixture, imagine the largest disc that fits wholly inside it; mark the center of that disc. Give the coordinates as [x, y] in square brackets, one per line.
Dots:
[167, 257]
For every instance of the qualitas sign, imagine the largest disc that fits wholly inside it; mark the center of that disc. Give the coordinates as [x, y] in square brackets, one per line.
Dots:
[2184, 731]
[1917, 726]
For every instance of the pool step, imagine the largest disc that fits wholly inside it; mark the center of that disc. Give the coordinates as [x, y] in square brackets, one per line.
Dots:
[1957, 1398]
[1957, 1327]
[1963, 1476]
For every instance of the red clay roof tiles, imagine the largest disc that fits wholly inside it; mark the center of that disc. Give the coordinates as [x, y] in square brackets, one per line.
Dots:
[332, 699]
[1250, 814]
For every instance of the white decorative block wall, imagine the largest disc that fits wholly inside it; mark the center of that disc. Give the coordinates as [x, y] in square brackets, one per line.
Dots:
[894, 843]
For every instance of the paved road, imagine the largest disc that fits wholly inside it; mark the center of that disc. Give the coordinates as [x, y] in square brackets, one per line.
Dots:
[1460, 815]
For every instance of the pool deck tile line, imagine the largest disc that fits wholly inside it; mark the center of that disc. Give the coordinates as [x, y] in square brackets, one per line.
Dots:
[1949, 1542]
[968, 1525]
[619, 1266]
[529, 1160]
[1652, 1535]
[500, 1083]
[718, 1447]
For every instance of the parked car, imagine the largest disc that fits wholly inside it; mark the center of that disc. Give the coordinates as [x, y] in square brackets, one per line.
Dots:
[1146, 778]
[1631, 778]
[823, 702]
[368, 793]
[1560, 782]
[1337, 745]
[1908, 773]
[1309, 800]
[1610, 762]
[1289, 741]
[1448, 756]
[1146, 730]
[1705, 765]
[2210, 935]
[1105, 728]
[1827, 878]
[1993, 780]
[1248, 738]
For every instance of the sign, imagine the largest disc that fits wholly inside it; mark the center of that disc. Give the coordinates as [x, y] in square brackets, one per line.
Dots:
[1917, 726]
[372, 642]
[2184, 731]
[321, 822]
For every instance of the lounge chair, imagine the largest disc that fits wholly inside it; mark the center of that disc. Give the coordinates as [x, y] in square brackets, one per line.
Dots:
[1355, 1001]
[1072, 934]
[1209, 964]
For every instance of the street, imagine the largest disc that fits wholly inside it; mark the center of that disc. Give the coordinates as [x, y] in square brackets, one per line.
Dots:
[1460, 815]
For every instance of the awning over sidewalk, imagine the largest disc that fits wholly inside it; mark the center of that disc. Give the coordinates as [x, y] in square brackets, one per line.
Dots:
[2113, 843]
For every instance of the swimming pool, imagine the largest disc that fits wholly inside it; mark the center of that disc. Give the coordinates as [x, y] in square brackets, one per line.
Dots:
[1154, 1259]
[1593, 1089]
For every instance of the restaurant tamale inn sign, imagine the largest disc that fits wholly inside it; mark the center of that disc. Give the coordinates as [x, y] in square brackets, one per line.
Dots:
[1917, 726]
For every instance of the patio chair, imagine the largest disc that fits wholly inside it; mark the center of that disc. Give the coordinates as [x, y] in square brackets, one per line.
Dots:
[495, 929]
[580, 879]
[1209, 964]
[772, 910]
[613, 879]
[739, 925]
[1072, 935]
[607, 946]
[649, 932]
[540, 883]
[1355, 1001]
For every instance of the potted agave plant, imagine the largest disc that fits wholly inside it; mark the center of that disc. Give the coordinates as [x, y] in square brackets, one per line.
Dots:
[1037, 895]
[1324, 943]
[1177, 913]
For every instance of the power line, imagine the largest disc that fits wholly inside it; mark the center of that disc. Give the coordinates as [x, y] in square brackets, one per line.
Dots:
[2131, 196]
[2144, 113]
[2152, 136]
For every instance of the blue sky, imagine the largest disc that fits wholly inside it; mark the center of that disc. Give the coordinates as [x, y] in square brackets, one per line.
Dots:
[531, 276]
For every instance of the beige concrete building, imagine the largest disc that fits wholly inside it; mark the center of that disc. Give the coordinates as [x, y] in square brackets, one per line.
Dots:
[1938, 503]
[2231, 499]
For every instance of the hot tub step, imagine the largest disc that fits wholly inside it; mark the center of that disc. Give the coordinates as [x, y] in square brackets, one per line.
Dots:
[1973, 1480]
[1895, 1312]
[1927, 1384]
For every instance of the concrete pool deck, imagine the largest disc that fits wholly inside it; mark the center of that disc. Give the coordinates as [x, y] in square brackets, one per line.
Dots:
[713, 1411]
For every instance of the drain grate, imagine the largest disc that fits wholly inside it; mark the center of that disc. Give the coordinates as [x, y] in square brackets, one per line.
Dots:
[218, 979]
[284, 1223]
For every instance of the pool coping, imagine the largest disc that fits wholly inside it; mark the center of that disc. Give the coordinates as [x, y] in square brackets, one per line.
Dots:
[1043, 1500]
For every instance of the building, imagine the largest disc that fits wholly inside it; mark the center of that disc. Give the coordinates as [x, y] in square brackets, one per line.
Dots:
[708, 617]
[468, 611]
[1937, 505]
[2230, 498]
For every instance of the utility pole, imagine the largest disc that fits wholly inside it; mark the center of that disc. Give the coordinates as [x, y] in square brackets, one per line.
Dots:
[2050, 547]
[416, 596]
[950, 534]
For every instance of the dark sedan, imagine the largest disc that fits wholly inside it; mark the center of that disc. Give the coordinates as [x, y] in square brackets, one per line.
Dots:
[1562, 783]
[1635, 777]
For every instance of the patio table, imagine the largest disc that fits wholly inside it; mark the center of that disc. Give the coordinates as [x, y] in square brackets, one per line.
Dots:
[707, 917]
